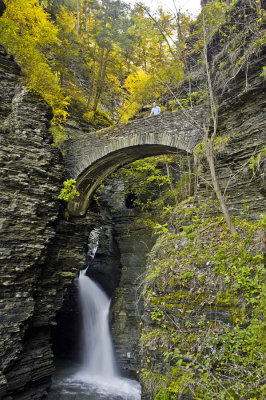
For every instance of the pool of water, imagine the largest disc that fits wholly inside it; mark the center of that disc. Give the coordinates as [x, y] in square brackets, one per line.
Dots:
[70, 382]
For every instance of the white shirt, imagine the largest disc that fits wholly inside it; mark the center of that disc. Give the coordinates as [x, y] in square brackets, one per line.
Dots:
[155, 110]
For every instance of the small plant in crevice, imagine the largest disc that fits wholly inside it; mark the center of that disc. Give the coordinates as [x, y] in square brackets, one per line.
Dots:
[69, 192]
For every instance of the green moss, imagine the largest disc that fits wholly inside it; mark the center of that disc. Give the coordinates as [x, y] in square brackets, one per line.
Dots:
[69, 192]
[204, 289]
[59, 135]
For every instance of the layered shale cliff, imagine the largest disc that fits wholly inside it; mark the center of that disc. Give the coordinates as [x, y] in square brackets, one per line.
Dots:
[40, 252]
[31, 172]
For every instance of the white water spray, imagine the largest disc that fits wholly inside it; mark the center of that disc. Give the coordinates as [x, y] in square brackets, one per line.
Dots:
[98, 354]
[99, 370]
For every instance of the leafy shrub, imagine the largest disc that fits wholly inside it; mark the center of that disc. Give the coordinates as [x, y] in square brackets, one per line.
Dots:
[69, 191]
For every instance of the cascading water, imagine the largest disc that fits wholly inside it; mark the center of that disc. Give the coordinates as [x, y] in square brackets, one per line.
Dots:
[98, 355]
[97, 378]
[98, 370]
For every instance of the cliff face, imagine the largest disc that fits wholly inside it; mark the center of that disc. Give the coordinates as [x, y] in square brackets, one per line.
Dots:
[241, 119]
[31, 173]
[239, 86]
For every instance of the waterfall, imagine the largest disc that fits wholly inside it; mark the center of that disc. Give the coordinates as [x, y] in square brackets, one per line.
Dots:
[97, 378]
[98, 371]
[97, 348]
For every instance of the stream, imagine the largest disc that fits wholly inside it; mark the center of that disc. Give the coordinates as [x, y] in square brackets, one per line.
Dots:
[69, 385]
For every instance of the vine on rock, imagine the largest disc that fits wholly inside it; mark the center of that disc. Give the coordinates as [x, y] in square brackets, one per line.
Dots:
[204, 297]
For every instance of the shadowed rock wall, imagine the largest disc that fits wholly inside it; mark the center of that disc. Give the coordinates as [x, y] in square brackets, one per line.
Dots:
[31, 172]
[39, 252]
[241, 118]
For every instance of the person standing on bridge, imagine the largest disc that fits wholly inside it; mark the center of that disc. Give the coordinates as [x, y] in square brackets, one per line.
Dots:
[155, 110]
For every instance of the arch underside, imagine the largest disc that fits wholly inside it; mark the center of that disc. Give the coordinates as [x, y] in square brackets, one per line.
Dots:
[93, 176]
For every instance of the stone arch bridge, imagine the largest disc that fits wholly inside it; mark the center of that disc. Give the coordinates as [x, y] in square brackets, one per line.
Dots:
[92, 156]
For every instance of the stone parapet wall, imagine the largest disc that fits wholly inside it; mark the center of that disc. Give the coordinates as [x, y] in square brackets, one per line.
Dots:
[171, 129]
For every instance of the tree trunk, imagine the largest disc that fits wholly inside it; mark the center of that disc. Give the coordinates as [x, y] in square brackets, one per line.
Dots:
[209, 143]
[101, 77]
[216, 186]
[77, 16]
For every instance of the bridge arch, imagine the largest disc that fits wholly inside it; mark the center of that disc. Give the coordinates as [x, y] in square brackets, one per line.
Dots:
[92, 156]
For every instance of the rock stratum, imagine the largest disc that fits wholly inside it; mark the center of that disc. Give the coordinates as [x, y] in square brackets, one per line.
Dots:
[39, 253]
[31, 172]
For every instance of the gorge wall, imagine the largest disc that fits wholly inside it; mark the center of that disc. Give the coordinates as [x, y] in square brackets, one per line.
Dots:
[31, 171]
[241, 119]
[40, 250]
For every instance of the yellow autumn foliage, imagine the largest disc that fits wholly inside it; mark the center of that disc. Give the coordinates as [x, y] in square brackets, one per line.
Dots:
[27, 32]
[144, 88]
[141, 90]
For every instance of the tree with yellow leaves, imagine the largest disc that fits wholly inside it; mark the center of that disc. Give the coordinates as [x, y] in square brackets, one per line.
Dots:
[27, 33]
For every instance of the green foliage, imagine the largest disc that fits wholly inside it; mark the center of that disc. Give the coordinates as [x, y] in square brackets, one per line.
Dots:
[219, 145]
[199, 273]
[145, 179]
[59, 134]
[87, 56]
[159, 228]
[69, 191]
[200, 150]
[258, 161]
[162, 394]
[141, 90]
[154, 191]
[191, 100]
[263, 74]
[156, 56]
[210, 20]
[238, 46]
[98, 118]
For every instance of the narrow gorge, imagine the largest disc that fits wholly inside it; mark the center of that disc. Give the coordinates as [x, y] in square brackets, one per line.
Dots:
[45, 242]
